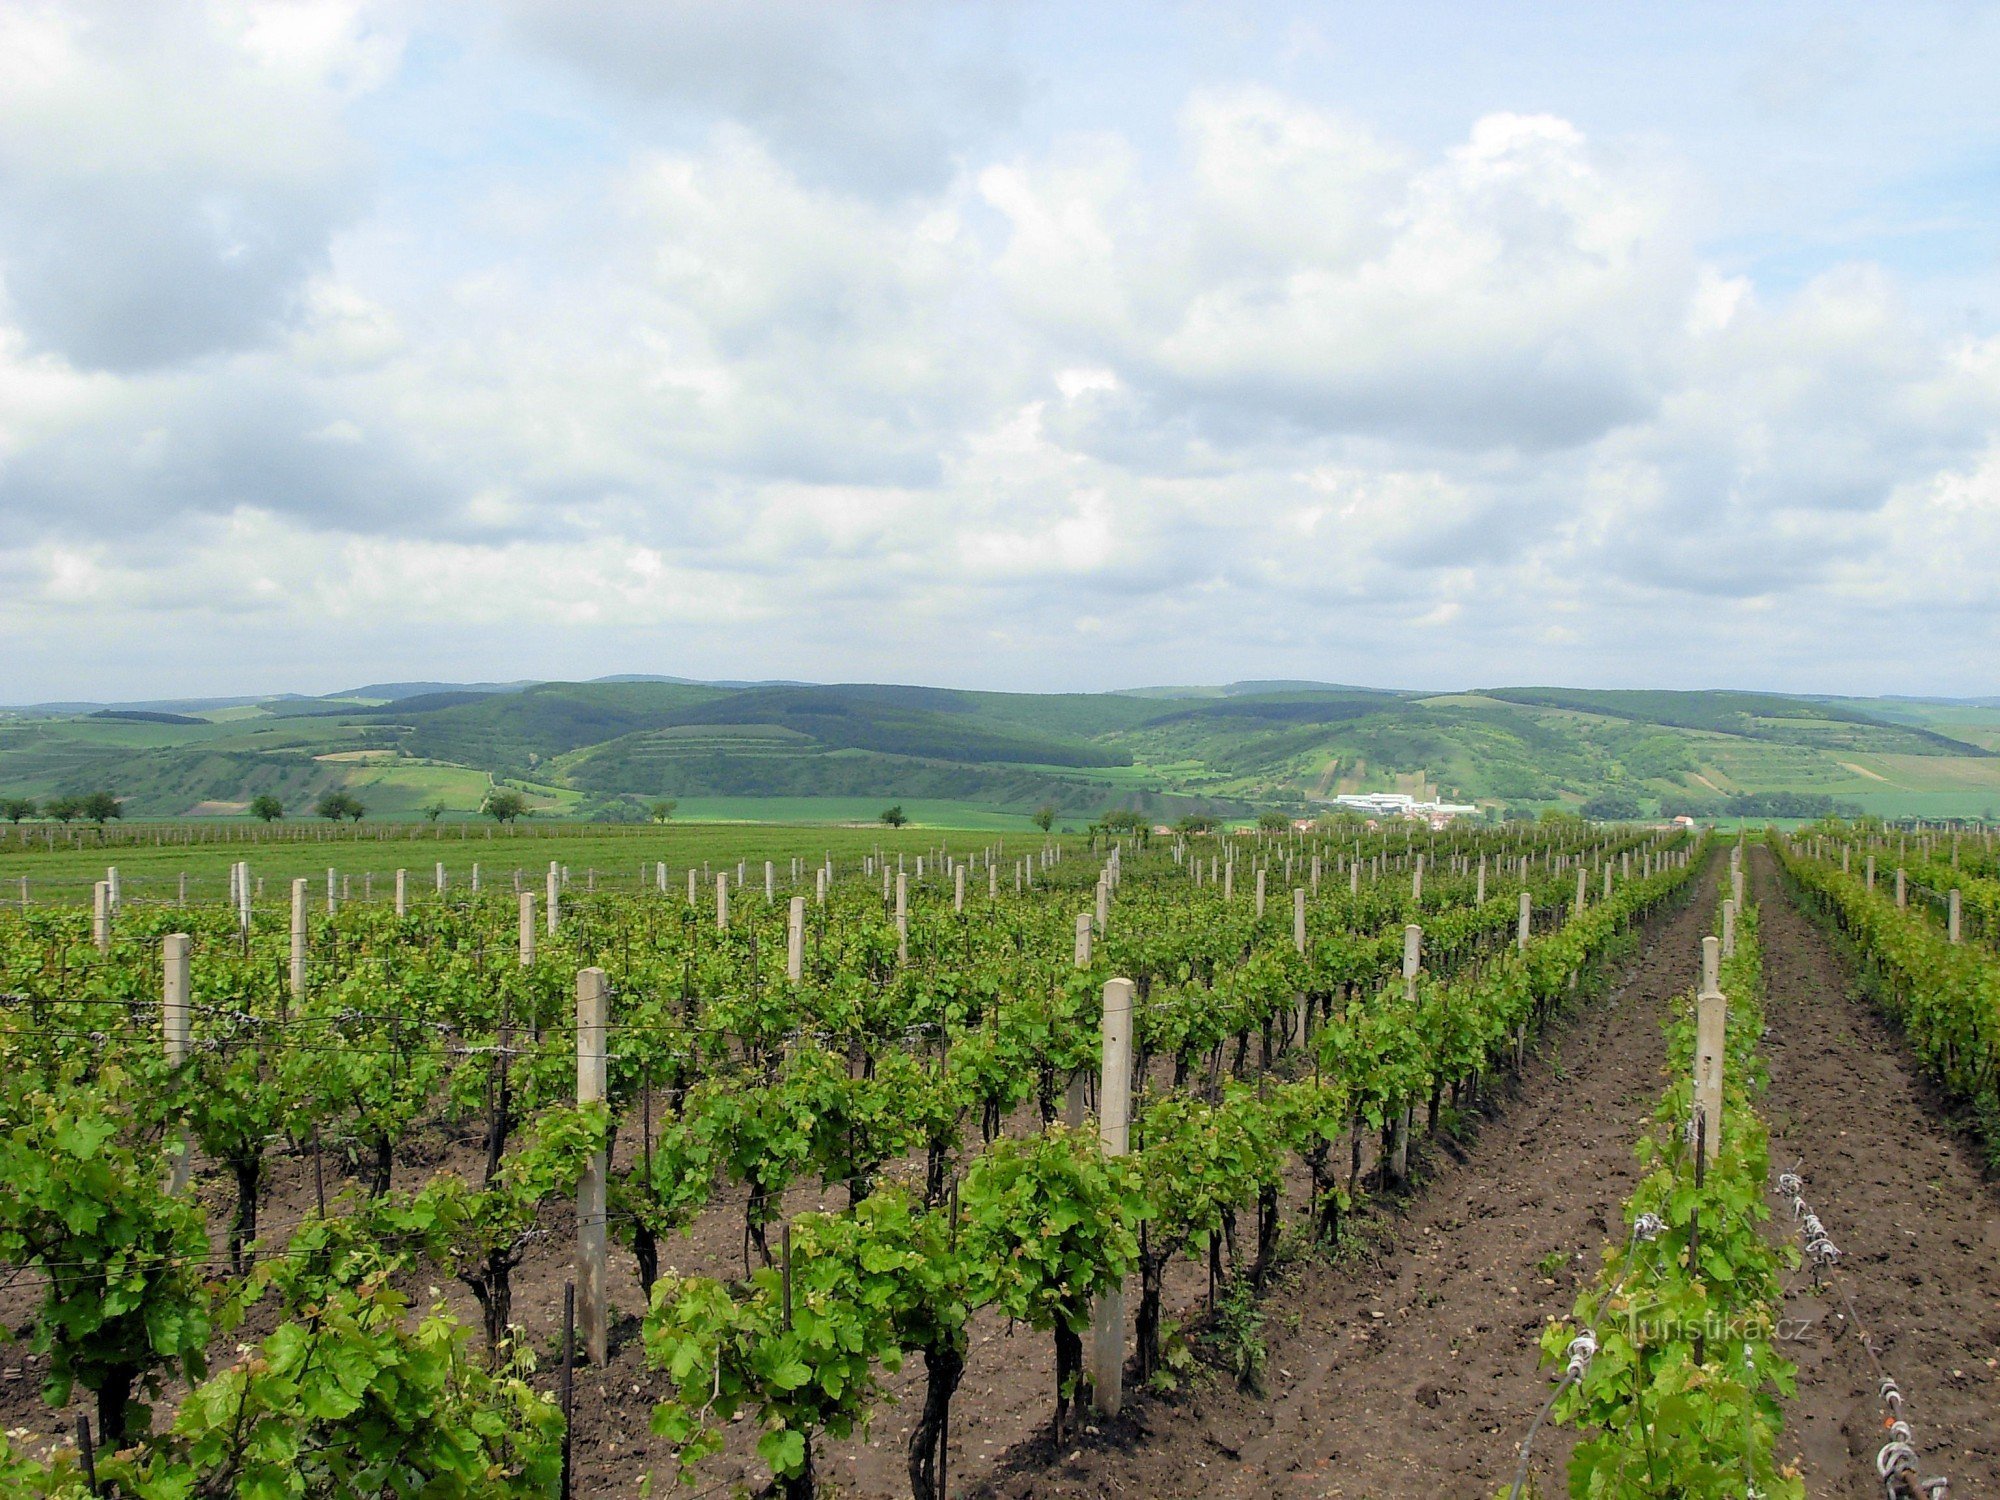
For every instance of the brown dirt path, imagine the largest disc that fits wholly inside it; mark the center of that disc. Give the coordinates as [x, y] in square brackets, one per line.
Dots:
[1905, 1199]
[1415, 1373]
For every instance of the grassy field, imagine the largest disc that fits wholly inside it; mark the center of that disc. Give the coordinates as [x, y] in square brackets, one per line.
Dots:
[150, 872]
[866, 811]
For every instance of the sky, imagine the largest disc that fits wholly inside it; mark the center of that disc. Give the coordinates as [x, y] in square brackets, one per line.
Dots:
[1014, 345]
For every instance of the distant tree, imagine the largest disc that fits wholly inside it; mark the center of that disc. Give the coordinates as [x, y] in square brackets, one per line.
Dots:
[335, 805]
[1122, 822]
[1613, 806]
[1195, 823]
[1273, 822]
[65, 809]
[1044, 817]
[101, 807]
[663, 809]
[13, 809]
[504, 804]
[267, 807]
[895, 817]
[434, 810]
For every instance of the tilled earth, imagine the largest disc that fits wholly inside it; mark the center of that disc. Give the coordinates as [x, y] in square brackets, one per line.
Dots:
[1414, 1371]
[1916, 1220]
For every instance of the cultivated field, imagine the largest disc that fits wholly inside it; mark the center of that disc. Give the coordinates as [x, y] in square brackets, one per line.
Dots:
[849, 1158]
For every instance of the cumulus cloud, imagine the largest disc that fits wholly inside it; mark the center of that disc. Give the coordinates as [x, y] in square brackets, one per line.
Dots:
[1297, 272]
[880, 96]
[785, 347]
[170, 174]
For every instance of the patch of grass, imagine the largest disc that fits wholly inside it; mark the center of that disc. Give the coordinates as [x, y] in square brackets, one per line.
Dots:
[1236, 1334]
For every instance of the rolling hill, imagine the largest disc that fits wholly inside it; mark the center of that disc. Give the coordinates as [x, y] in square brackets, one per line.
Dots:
[608, 748]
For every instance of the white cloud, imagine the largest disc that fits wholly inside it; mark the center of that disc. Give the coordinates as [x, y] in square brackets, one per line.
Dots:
[692, 360]
[170, 174]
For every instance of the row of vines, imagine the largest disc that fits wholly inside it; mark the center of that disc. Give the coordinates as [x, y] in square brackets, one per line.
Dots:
[925, 1074]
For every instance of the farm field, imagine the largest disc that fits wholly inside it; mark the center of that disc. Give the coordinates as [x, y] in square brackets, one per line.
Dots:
[419, 1080]
[151, 859]
[706, 1026]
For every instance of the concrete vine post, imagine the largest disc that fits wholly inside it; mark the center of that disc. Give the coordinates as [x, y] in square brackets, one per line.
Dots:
[1301, 1013]
[1710, 1028]
[795, 940]
[174, 995]
[1114, 1107]
[298, 967]
[593, 1312]
[1399, 1150]
[1074, 1090]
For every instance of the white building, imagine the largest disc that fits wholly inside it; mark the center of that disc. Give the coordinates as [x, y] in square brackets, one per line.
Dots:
[1402, 805]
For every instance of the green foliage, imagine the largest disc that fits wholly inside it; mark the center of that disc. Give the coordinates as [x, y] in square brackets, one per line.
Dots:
[335, 805]
[1049, 1224]
[1044, 817]
[14, 809]
[802, 1344]
[345, 1398]
[894, 816]
[1612, 807]
[125, 1301]
[503, 805]
[266, 808]
[1236, 1334]
[662, 808]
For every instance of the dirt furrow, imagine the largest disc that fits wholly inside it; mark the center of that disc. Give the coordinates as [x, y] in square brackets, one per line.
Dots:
[1905, 1199]
[1414, 1371]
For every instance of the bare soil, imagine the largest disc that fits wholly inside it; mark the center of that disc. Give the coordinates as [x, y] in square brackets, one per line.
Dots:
[1904, 1197]
[1410, 1368]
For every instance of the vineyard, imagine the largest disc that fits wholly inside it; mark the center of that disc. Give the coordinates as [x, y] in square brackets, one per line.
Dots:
[908, 1169]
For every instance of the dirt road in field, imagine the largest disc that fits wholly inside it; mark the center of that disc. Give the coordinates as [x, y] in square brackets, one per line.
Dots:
[1905, 1200]
[1412, 1371]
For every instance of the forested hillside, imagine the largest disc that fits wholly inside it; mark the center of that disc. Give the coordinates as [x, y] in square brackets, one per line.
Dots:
[613, 748]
